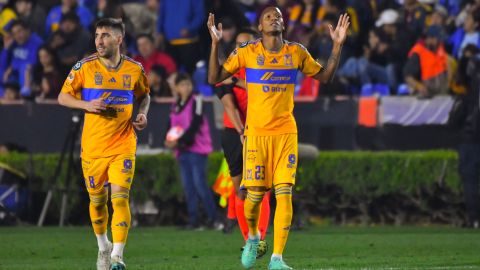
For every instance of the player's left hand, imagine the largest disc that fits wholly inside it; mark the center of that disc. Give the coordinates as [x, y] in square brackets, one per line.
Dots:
[339, 35]
[141, 121]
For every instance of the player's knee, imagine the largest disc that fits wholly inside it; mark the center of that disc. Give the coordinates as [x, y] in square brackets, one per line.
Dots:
[119, 199]
[98, 201]
[255, 195]
[283, 189]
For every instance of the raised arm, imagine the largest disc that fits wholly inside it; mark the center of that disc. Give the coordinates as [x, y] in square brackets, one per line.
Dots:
[339, 35]
[216, 73]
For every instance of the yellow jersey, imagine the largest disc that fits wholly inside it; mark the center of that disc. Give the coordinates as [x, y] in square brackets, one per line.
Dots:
[270, 78]
[110, 132]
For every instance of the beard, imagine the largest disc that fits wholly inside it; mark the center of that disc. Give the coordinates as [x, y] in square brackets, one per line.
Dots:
[107, 53]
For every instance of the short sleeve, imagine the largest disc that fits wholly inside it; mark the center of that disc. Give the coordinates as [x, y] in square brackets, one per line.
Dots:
[307, 65]
[236, 59]
[141, 87]
[73, 85]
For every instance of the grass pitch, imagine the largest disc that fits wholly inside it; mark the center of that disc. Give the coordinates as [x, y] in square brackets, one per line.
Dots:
[313, 248]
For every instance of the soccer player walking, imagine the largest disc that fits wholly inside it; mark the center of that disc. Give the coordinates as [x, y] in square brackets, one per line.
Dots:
[105, 85]
[270, 147]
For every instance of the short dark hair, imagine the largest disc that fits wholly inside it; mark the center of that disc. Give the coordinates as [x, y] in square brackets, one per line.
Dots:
[70, 16]
[116, 24]
[247, 31]
[182, 77]
[147, 36]
[20, 23]
[159, 70]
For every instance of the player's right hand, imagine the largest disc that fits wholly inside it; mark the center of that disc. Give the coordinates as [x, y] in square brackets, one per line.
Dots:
[215, 33]
[96, 106]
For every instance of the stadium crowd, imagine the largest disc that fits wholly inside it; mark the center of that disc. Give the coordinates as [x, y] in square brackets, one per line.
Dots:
[404, 47]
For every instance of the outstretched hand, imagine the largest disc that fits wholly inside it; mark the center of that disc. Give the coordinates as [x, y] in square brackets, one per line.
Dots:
[215, 33]
[339, 35]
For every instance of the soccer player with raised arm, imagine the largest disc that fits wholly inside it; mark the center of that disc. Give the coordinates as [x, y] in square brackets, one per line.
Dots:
[270, 146]
[105, 85]
[233, 95]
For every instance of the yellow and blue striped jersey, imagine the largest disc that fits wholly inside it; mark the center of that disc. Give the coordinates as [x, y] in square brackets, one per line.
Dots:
[270, 78]
[110, 132]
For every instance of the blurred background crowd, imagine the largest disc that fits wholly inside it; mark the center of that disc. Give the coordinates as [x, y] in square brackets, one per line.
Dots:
[395, 47]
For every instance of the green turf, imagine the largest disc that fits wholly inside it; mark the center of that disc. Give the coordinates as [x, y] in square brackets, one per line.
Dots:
[315, 248]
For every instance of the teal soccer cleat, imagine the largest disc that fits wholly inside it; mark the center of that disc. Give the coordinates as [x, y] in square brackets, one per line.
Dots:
[278, 264]
[117, 263]
[262, 249]
[249, 254]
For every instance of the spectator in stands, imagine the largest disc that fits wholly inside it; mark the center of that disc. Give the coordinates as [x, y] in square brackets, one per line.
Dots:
[414, 15]
[143, 16]
[374, 65]
[229, 9]
[426, 69]
[19, 55]
[191, 148]
[396, 39]
[468, 34]
[11, 93]
[303, 19]
[157, 79]
[471, 6]
[33, 14]
[67, 6]
[149, 55]
[179, 23]
[71, 42]
[321, 42]
[47, 75]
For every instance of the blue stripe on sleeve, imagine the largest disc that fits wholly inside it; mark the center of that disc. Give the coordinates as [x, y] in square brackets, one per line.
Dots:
[271, 76]
[110, 96]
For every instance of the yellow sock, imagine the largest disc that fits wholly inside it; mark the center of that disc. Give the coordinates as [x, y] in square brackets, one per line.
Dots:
[99, 212]
[283, 217]
[252, 210]
[121, 217]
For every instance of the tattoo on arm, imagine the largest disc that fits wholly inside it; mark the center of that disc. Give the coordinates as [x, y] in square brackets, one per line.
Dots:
[326, 75]
[144, 104]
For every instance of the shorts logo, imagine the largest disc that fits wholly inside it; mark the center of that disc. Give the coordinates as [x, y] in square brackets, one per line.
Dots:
[292, 159]
[249, 174]
[98, 78]
[129, 180]
[91, 182]
[127, 165]
[251, 158]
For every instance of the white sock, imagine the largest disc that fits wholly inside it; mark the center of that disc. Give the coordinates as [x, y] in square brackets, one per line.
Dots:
[118, 249]
[254, 237]
[277, 256]
[102, 241]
